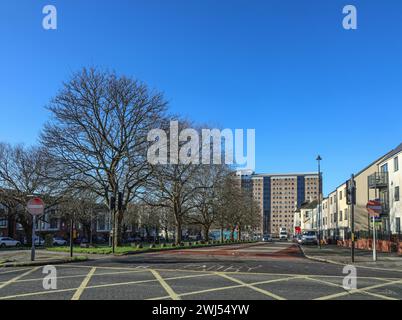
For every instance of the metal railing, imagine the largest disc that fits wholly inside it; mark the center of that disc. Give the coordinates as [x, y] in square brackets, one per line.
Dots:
[378, 180]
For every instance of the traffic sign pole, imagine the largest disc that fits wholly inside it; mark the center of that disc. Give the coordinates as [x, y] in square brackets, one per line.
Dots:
[374, 241]
[35, 207]
[352, 201]
[374, 209]
[33, 238]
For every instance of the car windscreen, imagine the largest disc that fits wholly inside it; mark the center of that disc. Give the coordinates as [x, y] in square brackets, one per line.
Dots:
[309, 233]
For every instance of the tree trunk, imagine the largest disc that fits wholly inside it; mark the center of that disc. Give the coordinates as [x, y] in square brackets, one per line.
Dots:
[166, 235]
[178, 231]
[11, 226]
[221, 234]
[239, 233]
[232, 234]
[206, 232]
[27, 226]
[119, 228]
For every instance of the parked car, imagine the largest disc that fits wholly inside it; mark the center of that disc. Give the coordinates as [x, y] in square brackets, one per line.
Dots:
[39, 241]
[267, 238]
[298, 239]
[57, 241]
[101, 240]
[132, 239]
[309, 237]
[8, 242]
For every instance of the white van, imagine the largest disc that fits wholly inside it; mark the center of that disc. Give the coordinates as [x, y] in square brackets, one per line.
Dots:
[283, 234]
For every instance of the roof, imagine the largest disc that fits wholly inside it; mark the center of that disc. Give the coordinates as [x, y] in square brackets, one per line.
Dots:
[290, 174]
[309, 205]
[393, 152]
[378, 160]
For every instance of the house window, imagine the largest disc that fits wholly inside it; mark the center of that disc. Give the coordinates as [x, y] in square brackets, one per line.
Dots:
[104, 223]
[398, 225]
[384, 168]
[396, 195]
[340, 195]
[54, 223]
[340, 215]
[396, 164]
[3, 222]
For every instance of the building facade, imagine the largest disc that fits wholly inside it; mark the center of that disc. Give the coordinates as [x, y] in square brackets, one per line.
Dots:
[390, 170]
[279, 196]
[381, 180]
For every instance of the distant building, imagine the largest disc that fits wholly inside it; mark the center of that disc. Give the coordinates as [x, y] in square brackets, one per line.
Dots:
[279, 195]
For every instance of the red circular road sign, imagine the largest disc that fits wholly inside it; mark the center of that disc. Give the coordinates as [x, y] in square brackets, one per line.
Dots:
[36, 206]
[374, 208]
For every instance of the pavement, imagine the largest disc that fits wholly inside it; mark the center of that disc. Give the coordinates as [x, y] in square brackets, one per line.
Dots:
[363, 258]
[23, 257]
[266, 271]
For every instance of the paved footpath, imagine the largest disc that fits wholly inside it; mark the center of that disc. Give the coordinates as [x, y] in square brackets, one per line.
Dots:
[363, 258]
[267, 271]
[24, 255]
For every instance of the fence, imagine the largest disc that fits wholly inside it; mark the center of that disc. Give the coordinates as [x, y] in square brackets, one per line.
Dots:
[385, 241]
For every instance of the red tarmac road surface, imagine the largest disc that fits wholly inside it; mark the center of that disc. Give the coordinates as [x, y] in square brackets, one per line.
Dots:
[259, 250]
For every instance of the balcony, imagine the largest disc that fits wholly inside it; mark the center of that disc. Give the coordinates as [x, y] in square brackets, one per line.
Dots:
[385, 208]
[378, 180]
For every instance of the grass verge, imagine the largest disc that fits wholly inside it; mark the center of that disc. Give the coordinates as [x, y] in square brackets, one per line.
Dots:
[123, 250]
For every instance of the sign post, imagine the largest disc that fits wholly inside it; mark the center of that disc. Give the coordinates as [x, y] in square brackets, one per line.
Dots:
[374, 241]
[35, 207]
[374, 209]
[351, 200]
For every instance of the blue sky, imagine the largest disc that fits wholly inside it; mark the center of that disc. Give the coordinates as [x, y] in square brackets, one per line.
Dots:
[286, 68]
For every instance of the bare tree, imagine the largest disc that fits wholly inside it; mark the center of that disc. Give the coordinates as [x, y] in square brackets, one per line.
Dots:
[209, 180]
[172, 186]
[98, 134]
[23, 173]
[250, 218]
[81, 207]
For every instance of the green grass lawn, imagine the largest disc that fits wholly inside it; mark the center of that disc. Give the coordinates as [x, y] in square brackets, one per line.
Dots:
[102, 249]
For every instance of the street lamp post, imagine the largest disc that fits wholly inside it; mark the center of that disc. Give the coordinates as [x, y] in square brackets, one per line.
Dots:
[319, 200]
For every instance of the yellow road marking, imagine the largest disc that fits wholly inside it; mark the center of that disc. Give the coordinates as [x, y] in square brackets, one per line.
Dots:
[17, 278]
[198, 273]
[340, 286]
[362, 290]
[83, 285]
[141, 281]
[12, 271]
[226, 288]
[97, 286]
[82, 275]
[165, 286]
[30, 294]
[267, 293]
[228, 272]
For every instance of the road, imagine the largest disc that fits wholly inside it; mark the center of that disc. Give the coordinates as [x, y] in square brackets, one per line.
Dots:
[272, 271]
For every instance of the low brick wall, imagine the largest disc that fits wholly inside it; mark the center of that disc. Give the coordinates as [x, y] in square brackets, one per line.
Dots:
[367, 244]
[400, 248]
